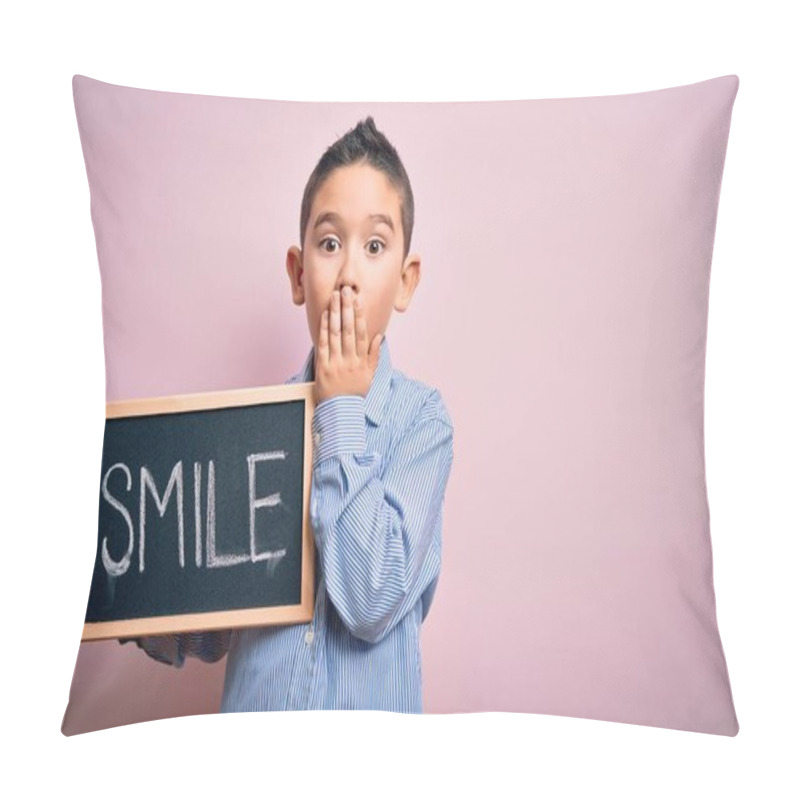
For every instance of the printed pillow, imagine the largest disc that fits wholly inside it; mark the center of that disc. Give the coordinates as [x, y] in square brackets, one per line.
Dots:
[565, 248]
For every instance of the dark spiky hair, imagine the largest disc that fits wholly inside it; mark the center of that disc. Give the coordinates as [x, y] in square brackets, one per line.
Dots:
[363, 144]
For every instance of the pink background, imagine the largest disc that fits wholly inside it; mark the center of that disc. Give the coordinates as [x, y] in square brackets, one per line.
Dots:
[566, 247]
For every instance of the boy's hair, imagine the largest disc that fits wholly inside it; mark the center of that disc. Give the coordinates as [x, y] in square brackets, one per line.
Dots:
[363, 144]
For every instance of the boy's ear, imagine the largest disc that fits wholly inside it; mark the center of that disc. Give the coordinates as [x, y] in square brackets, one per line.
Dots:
[294, 268]
[409, 280]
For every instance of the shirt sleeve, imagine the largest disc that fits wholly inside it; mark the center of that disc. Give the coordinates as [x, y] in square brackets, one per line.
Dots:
[374, 523]
[173, 648]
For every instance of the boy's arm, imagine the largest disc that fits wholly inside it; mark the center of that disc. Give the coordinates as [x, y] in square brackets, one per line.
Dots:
[375, 534]
[172, 649]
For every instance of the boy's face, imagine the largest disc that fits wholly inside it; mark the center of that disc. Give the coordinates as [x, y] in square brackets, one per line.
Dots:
[345, 244]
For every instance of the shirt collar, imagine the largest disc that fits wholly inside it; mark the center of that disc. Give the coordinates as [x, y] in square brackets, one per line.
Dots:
[378, 393]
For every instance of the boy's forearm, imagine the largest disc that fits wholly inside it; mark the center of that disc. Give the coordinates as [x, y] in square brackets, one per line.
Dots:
[375, 534]
[172, 649]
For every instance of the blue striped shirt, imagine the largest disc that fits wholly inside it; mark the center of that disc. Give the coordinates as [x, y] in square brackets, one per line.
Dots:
[380, 468]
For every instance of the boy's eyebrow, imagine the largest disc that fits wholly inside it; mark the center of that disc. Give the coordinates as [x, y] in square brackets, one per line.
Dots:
[332, 216]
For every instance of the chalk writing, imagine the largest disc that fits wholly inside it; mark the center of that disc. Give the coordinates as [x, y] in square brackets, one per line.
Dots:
[214, 559]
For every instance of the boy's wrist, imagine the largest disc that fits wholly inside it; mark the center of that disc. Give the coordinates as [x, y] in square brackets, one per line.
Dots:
[339, 426]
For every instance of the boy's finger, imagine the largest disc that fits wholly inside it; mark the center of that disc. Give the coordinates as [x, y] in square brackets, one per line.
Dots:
[348, 324]
[362, 345]
[323, 345]
[335, 328]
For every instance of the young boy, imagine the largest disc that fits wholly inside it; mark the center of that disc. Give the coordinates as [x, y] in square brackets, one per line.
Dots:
[382, 451]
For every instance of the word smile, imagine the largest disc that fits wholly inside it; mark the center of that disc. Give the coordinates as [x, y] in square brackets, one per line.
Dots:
[176, 483]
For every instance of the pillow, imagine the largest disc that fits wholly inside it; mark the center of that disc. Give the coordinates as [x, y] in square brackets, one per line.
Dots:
[565, 247]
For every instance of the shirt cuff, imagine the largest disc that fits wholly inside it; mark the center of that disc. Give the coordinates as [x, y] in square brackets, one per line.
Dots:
[339, 426]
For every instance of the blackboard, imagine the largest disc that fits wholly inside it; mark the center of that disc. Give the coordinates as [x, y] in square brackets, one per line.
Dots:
[203, 521]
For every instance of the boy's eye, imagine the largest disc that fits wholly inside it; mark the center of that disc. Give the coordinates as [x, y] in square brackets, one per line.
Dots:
[329, 240]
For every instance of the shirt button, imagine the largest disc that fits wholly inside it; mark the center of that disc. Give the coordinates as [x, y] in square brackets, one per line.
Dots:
[317, 439]
[309, 636]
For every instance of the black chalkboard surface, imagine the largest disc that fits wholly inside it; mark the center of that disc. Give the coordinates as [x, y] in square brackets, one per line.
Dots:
[203, 520]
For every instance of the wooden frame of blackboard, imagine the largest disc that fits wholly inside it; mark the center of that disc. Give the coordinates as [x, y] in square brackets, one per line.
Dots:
[234, 618]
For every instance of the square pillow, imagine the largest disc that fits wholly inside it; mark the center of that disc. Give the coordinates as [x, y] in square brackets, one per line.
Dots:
[566, 247]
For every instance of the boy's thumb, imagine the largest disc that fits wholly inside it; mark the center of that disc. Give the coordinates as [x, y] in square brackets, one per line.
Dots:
[375, 350]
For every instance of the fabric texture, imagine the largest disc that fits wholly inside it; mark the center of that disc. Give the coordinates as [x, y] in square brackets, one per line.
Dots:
[566, 248]
[380, 470]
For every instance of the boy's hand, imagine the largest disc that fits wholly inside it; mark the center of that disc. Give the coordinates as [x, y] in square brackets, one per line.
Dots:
[345, 361]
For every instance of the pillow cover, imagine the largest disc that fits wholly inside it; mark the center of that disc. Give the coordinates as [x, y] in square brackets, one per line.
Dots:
[566, 248]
